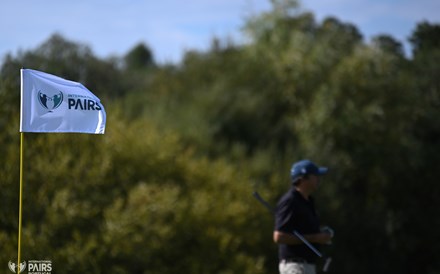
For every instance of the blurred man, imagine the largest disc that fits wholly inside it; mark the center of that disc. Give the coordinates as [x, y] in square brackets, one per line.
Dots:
[296, 212]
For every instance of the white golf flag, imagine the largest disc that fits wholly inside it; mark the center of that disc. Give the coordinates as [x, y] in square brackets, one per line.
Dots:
[52, 104]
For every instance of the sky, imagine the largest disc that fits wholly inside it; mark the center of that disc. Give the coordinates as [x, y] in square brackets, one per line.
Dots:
[171, 27]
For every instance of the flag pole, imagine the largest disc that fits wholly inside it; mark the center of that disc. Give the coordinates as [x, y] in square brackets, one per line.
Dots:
[20, 201]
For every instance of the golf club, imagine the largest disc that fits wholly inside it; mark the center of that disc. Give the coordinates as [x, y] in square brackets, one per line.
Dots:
[297, 234]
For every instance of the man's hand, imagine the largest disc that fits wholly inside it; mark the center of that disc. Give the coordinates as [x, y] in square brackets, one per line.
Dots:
[322, 238]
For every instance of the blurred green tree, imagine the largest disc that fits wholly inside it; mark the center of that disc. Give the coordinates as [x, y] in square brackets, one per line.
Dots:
[169, 185]
[140, 57]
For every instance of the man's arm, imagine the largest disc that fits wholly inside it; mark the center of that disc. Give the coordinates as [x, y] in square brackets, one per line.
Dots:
[280, 237]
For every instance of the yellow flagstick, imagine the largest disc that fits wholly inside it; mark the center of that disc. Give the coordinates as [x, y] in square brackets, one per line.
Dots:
[20, 201]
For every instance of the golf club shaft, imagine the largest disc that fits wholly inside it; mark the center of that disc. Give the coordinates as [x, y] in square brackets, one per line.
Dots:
[297, 234]
[263, 202]
[327, 264]
[309, 245]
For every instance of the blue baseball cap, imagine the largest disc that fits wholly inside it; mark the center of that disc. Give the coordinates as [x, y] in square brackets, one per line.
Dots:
[305, 167]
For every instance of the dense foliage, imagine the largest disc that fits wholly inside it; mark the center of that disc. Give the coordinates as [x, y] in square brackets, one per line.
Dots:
[168, 188]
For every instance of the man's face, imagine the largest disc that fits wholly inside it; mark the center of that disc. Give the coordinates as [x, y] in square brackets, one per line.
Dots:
[312, 182]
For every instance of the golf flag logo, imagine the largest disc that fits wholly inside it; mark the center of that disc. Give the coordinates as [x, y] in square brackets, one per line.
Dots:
[53, 104]
[50, 102]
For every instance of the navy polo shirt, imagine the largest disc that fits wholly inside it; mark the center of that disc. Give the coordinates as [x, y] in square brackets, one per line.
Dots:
[294, 212]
